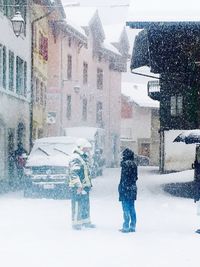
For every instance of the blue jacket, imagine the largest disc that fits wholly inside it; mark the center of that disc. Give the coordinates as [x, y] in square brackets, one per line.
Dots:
[129, 174]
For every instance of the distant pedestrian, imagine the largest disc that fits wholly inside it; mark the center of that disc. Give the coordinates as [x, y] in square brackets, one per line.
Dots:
[128, 190]
[20, 157]
[80, 184]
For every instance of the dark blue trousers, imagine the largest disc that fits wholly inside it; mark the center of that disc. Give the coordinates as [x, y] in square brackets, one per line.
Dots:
[129, 214]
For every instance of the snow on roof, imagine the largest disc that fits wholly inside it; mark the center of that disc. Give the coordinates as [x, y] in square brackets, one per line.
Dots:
[138, 94]
[75, 26]
[80, 15]
[110, 47]
[83, 132]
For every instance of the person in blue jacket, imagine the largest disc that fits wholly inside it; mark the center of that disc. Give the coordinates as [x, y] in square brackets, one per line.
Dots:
[128, 190]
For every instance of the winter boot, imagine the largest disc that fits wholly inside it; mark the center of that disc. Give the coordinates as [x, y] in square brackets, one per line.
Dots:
[76, 227]
[89, 225]
[124, 230]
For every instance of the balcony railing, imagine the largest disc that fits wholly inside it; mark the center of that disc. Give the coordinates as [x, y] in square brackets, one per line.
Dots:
[153, 88]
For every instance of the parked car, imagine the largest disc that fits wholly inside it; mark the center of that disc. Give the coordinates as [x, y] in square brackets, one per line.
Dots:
[47, 167]
[98, 163]
[141, 160]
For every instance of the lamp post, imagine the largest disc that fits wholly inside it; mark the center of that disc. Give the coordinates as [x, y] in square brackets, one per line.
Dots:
[17, 23]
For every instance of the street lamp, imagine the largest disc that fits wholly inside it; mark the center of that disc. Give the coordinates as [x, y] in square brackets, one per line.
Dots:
[17, 23]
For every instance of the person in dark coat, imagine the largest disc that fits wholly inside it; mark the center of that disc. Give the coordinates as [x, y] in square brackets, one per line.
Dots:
[128, 190]
[20, 157]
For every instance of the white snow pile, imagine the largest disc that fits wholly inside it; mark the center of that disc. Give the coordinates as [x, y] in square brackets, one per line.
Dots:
[37, 232]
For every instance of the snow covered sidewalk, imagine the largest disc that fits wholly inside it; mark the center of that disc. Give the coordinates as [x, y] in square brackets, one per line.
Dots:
[37, 232]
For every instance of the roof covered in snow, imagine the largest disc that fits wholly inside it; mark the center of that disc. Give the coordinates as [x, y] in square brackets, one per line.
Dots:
[75, 26]
[108, 46]
[138, 94]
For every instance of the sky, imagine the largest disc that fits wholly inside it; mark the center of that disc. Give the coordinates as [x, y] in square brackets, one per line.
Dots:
[144, 10]
[119, 14]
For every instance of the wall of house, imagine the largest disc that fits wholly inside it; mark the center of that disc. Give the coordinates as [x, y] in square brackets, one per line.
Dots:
[185, 85]
[155, 137]
[113, 118]
[139, 129]
[41, 55]
[14, 108]
[60, 88]
[54, 84]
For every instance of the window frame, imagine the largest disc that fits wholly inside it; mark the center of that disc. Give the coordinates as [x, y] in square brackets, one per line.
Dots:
[11, 67]
[99, 112]
[69, 67]
[69, 107]
[176, 105]
[100, 79]
[85, 72]
[84, 109]
[21, 76]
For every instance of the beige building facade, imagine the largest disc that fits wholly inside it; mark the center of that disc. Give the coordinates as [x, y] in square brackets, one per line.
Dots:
[88, 90]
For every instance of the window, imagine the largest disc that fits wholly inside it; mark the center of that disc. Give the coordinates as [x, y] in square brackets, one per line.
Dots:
[4, 67]
[1, 5]
[37, 89]
[84, 110]
[99, 79]
[35, 36]
[85, 73]
[69, 67]
[9, 8]
[69, 107]
[1, 65]
[43, 46]
[11, 71]
[41, 93]
[21, 79]
[69, 41]
[45, 96]
[99, 112]
[25, 78]
[176, 105]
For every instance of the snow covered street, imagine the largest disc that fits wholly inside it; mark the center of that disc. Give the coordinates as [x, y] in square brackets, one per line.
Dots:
[37, 232]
